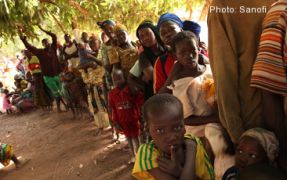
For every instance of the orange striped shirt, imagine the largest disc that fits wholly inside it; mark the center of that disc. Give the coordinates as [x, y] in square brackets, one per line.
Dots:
[270, 68]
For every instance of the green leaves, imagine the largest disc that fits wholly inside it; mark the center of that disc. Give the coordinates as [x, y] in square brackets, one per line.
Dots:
[60, 13]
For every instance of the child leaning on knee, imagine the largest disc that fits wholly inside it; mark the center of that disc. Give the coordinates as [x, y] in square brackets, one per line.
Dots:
[171, 154]
[256, 146]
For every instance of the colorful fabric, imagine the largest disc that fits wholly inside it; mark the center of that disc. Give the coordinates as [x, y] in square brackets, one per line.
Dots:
[146, 159]
[169, 17]
[231, 174]
[267, 139]
[126, 57]
[192, 26]
[41, 92]
[6, 153]
[270, 69]
[126, 110]
[54, 85]
[33, 65]
[159, 76]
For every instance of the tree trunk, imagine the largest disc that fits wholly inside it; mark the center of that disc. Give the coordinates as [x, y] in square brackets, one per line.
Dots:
[204, 11]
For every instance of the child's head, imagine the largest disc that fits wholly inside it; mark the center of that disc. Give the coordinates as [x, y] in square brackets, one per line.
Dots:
[81, 46]
[118, 78]
[1, 84]
[6, 91]
[256, 146]
[185, 46]
[164, 116]
[121, 34]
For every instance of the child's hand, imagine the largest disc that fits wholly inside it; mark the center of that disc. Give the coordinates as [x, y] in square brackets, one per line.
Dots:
[171, 166]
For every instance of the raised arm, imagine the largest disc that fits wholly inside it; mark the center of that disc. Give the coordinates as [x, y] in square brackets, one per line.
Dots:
[54, 37]
[31, 48]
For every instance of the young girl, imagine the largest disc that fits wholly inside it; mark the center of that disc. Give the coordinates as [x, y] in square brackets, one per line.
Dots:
[7, 154]
[6, 104]
[170, 154]
[126, 110]
[256, 146]
[192, 83]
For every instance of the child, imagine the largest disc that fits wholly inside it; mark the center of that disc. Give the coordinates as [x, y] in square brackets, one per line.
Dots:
[170, 154]
[6, 155]
[87, 59]
[6, 104]
[256, 146]
[193, 84]
[126, 110]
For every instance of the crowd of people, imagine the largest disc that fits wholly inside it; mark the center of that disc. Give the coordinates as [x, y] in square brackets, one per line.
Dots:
[187, 112]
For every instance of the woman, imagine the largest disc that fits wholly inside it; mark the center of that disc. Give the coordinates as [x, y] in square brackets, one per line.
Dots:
[153, 47]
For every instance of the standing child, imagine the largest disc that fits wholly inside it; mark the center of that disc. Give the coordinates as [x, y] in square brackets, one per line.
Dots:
[170, 154]
[126, 110]
[6, 104]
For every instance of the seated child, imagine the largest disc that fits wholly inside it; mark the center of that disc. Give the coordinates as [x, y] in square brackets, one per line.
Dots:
[7, 154]
[256, 146]
[170, 154]
[126, 110]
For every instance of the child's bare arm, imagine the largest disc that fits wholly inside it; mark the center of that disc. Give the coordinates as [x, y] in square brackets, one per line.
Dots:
[188, 171]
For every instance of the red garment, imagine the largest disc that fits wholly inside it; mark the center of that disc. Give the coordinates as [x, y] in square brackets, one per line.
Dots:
[126, 110]
[159, 75]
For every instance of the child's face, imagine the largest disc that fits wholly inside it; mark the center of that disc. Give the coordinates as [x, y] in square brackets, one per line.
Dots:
[248, 152]
[109, 30]
[121, 36]
[187, 53]
[147, 37]
[167, 130]
[119, 79]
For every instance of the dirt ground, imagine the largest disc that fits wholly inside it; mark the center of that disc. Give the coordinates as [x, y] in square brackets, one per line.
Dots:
[62, 148]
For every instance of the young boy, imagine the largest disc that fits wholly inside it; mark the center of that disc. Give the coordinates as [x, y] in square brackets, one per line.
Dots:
[126, 110]
[170, 154]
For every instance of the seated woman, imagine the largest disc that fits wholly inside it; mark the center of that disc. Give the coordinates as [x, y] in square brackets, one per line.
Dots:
[193, 84]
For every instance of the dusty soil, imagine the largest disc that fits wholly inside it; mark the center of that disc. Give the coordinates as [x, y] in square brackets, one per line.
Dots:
[62, 148]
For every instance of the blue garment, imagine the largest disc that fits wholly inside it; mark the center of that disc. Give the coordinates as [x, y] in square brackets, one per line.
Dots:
[169, 17]
[109, 22]
[82, 54]
[192, 26]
